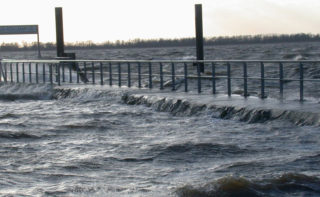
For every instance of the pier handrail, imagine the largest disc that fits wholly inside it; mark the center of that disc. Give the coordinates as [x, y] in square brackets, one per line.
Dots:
[57, 71]
[158, 61]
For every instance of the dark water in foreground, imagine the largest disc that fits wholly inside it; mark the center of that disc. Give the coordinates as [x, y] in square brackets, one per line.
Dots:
[86, 142]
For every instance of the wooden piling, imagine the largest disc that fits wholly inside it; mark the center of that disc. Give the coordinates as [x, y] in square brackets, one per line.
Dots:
[199, 35]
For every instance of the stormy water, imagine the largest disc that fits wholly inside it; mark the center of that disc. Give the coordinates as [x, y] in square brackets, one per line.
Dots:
[86, 141]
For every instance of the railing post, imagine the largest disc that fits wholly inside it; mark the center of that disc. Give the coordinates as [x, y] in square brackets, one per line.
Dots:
[150, 75]
[70, 71]
[55, 71]
[173, 77]
[63, 74]
[245, 80]
[78, 72]
[50, 74]
[85, 70]
[129, 75]
[30, 74]
[301, 81]
[199, 77]
[93, 73]
[6, 73]
[58, 73]
[213, 66]
[185, 77]
[110, 74]
[23, 73]
[17, 72]
[139, 74]
[161, 76]
[119, 74]
[44, 72]
[37, 73]
[11, 73]
[281, 80]
[101, 73]
[262, 80]
[229, 78]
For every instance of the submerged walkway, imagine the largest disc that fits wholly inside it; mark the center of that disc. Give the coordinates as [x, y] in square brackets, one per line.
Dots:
[250, 109]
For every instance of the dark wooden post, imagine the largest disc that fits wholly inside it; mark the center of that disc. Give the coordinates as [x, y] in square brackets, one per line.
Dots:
[59, 32]
[199, 35]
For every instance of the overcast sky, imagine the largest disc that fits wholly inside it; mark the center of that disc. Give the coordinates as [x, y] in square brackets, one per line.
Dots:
[102, 20]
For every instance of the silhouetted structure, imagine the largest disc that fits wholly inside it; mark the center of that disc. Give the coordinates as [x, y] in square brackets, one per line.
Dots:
[60, 45]
[59, 32]
[199, 35]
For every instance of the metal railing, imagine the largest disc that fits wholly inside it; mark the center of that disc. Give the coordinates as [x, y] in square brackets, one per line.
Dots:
[246, 76]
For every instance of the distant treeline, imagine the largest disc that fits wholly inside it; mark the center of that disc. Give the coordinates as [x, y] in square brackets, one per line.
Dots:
[143, 43]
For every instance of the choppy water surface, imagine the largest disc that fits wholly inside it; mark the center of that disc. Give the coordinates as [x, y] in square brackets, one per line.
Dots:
[87, 142]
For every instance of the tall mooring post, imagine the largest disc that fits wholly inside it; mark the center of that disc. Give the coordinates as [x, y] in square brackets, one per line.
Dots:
[61, 55]
[59, 32]
[199, 35]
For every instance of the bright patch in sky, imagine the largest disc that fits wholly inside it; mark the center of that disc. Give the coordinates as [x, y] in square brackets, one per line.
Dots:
[102, 20]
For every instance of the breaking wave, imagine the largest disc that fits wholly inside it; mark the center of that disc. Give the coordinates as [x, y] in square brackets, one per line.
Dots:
[250, 115]
[21, 91]
[177, 107]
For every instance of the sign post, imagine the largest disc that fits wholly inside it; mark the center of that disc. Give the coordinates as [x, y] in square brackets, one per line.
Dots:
[38, 40]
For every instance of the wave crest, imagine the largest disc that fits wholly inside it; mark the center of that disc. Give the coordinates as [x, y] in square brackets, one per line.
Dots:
[21, 91]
